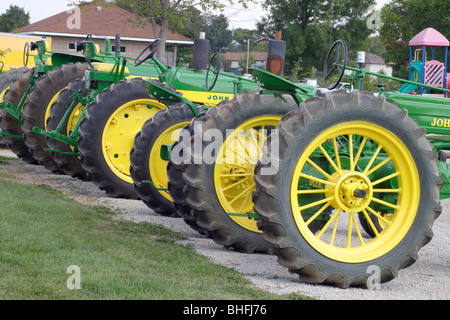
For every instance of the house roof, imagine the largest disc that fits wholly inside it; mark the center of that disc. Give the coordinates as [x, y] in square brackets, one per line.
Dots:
[101, 22]
[429, 37]
[236, 56]
[373, 59]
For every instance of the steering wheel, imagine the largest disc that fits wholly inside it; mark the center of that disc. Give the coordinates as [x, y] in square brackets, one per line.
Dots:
[152, 47]
[339, 63]
[214, 66]
[26, 51]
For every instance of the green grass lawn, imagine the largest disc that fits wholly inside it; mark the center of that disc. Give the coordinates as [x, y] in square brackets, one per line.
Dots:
[42, 233]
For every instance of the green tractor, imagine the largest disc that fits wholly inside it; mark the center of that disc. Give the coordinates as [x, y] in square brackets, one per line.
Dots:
[56, 132]
[101, 138]
[32, 92]
[344, 188]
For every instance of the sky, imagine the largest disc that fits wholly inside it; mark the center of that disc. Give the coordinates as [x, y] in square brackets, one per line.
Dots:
[238, 16]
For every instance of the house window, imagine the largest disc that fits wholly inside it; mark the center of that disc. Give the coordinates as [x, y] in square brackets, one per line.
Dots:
[123, 49]
[71, 45]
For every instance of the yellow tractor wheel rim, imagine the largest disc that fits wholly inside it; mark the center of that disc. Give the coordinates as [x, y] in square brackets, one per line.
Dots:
[120, 130]
[157, 165]
[234, 168]
[2, 94]
[73, 119]
[49, 106]
[338, 192]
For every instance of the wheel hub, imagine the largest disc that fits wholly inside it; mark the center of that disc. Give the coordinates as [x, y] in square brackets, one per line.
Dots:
[352, 191]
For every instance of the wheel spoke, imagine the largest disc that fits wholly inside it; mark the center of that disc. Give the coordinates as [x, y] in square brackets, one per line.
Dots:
[350, 149]
[232, 175]
[333, 234]
[244, 146]
[307, 176]
[358, 231]
[257, 142]
[387, 204]
[312, 204]
[376, 214]
[361, 147]
[336, 153]
[393, 175]
[330, 160]
[235, 184]
[245, 202]
[242, 193]
[236, 153]
[331, 71]
[372, 226]
[387, 190]
[307, 191]
[325, 227]
[349, 231]
[318, 168]
[375, 155]
[317, 214]
[378, 166]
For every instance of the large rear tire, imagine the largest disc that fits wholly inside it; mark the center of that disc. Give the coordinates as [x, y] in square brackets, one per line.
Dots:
[6, 79]
[9, 123]
[70, 164]
[37, 109]
[176, 185]
[107, 133]
[219, 183]
[359, 155]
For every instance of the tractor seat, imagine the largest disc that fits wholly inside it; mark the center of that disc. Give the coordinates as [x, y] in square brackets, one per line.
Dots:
[108, 67]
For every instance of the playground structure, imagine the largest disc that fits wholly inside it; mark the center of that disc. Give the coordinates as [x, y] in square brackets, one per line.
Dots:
[425, 69]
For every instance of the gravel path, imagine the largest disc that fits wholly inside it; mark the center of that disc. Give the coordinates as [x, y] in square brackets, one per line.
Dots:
[428, 278]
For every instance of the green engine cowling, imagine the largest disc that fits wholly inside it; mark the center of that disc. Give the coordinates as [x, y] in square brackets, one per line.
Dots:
[433, 114]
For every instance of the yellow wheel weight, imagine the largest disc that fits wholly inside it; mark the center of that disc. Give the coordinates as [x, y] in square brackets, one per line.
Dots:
[351, 191]
[120, 130]
[234, 168]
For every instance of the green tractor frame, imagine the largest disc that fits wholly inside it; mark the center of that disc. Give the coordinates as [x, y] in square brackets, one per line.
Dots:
[114, 110]
[346, 185]
[53, 72]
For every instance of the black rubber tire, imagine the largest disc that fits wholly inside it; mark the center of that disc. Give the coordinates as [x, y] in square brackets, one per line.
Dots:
[272, 195]
[140, 155]
[91, 131]
[177, 186]
[35, 109]
[70, 164]
[6, 79]
[12, 125]
[199, 175]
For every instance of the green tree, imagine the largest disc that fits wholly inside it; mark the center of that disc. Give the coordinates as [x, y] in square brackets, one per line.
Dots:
[241, 36]
[310, 28]
[14, 18]
[402, 20]
[375, 46]
[218, 33]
